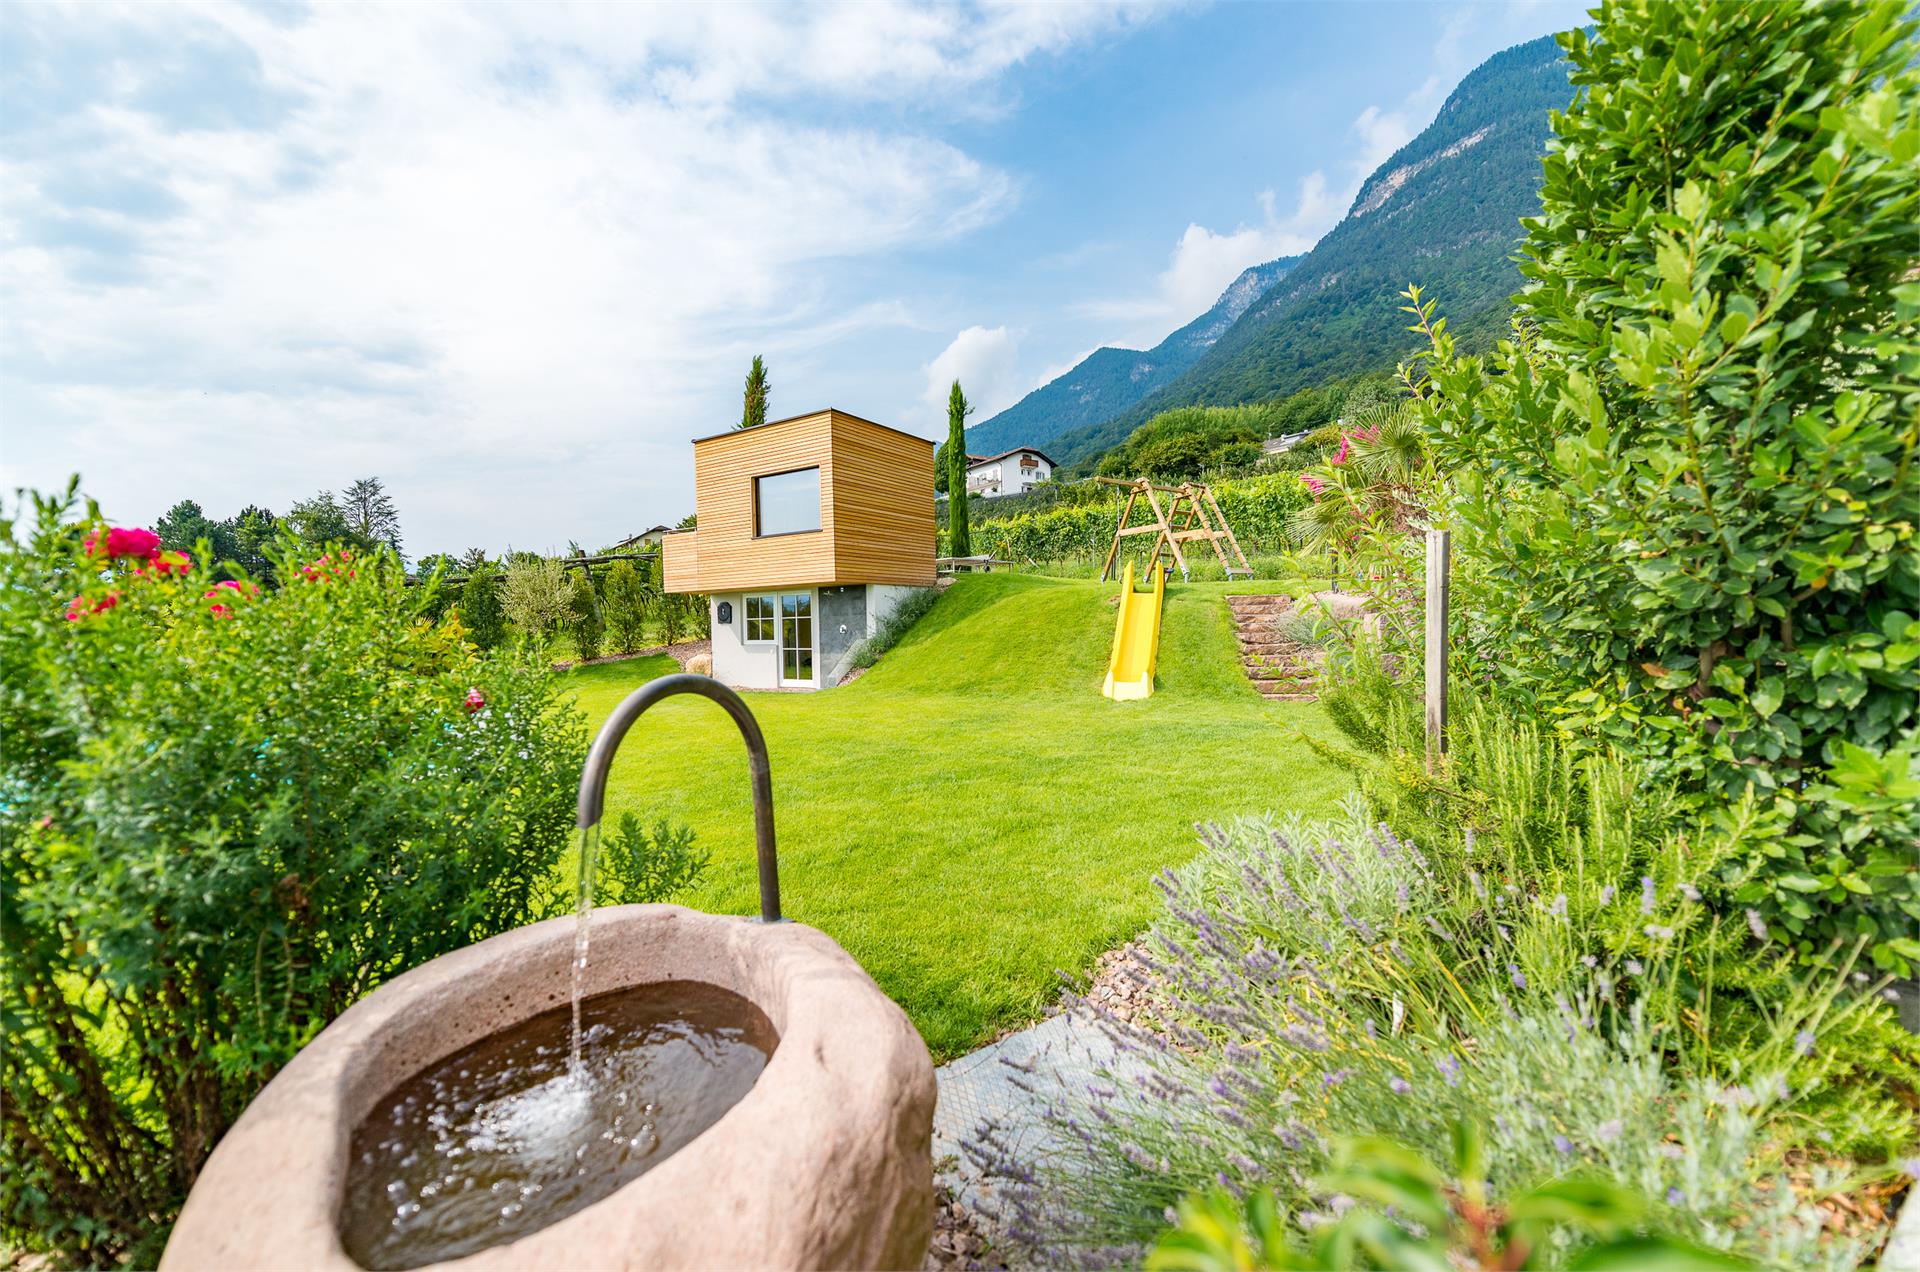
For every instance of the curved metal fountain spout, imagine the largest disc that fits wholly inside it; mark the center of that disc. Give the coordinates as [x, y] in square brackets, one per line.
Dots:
[593, 779]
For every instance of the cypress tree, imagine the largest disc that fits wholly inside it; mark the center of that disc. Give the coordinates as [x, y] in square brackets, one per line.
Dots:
[753, 410]
[958, 541]
[479, 607]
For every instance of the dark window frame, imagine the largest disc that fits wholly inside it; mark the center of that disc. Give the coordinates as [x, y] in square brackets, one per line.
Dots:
[818, 496]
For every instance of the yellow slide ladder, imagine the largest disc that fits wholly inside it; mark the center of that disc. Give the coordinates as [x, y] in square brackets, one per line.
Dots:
[1136, 639]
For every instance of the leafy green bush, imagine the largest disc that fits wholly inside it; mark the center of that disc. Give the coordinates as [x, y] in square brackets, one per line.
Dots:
[584, 620]
[536, 595]
[638, 866]
[1452, 1219]
[628, 602]
[225, 814]
[479, 607]
[1687, 487]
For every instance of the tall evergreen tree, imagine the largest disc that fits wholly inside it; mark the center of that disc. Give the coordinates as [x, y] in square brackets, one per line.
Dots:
[958, 541]
[370, 512]
[753, 411]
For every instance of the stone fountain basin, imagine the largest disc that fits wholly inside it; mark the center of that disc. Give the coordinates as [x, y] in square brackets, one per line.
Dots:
[825, 1163]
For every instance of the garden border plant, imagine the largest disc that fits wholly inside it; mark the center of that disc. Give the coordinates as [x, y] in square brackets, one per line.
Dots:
[226, 813]
[1684, 491]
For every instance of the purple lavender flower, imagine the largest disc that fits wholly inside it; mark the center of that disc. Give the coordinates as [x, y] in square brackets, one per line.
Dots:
[1563, 1144]
[1803, 1042]
[1450, 1068]
[1608, 1131]
[1690, 892]
[1646, 894]
[1756, 925]
[1400, 1086]
[1606, 896]
[1633, 966]
[1675, 1197]
[1559, 907]
[1519, 980]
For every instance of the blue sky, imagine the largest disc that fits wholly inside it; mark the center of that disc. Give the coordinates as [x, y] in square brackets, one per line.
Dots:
[510, 259]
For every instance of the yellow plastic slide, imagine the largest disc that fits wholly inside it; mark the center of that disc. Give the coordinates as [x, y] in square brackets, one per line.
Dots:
[1136, 639]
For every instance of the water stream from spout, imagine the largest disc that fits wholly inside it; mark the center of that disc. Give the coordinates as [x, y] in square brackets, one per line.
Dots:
[582, 919]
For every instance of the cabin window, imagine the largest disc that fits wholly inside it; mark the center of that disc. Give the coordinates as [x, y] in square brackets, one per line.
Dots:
[760, 613]
[786, 503]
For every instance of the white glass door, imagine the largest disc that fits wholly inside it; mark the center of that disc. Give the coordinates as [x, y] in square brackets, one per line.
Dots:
[796, 638]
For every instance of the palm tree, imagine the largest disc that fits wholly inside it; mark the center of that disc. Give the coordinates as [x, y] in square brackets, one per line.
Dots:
[1370, 482]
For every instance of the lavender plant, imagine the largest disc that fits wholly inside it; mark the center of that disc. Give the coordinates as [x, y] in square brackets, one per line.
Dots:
[1323, 982]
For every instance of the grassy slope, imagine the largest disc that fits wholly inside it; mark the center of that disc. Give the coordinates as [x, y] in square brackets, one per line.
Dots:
[972, 815]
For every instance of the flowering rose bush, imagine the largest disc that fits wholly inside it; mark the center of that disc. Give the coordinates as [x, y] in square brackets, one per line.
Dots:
[225, 814]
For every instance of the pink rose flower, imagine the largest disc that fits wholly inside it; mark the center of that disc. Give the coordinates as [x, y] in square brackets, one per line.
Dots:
[123, 541]
[165, 563]
[77, 608]
[475, 701]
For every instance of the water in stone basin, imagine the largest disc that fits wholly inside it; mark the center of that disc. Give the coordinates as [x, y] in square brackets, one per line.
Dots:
[509, 1135]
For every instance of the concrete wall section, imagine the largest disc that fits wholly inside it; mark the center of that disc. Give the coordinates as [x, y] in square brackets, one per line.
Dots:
[882, 600]
[843, 624]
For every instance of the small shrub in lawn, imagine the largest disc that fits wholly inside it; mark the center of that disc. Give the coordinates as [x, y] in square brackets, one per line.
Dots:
[627, 603]
[482, 615]
[536, 596]
[584, 620]
[638, 866]
[226, 813]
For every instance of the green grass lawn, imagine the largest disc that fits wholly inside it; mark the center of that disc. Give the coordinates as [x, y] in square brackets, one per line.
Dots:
[972, 814]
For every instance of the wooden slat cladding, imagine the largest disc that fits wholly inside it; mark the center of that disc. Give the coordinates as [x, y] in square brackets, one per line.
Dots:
[680, 561]
[883, 505]
[876, 508]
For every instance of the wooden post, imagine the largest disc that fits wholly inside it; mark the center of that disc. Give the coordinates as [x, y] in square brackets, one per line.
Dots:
[1439, 550]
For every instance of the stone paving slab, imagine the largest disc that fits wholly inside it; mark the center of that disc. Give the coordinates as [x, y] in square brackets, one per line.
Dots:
[1063, 1049]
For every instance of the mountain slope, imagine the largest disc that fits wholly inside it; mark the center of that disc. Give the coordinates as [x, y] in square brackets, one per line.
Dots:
[1108, 381]
[1443, 212]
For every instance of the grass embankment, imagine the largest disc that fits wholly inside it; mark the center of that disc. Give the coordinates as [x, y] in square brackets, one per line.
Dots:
[971, 814]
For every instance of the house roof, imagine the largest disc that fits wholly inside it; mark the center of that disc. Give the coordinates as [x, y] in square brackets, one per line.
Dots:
[635, 538]
[974, 461]
[807, 415]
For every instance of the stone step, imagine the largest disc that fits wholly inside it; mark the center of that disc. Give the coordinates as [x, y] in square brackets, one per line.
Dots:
[1290, 697]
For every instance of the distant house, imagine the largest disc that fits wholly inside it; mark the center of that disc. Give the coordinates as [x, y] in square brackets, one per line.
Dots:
[1282, 444]
[811, 531]
[1008, 473]
[648, 538]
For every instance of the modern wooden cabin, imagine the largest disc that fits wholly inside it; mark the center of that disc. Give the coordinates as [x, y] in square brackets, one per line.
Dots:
[810, 532]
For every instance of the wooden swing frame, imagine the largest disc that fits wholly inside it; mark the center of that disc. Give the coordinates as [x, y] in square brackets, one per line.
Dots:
[1191, 515]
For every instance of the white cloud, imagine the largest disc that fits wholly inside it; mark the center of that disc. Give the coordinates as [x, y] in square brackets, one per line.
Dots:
[986, 362]
[471, 249]
[1204, 262]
